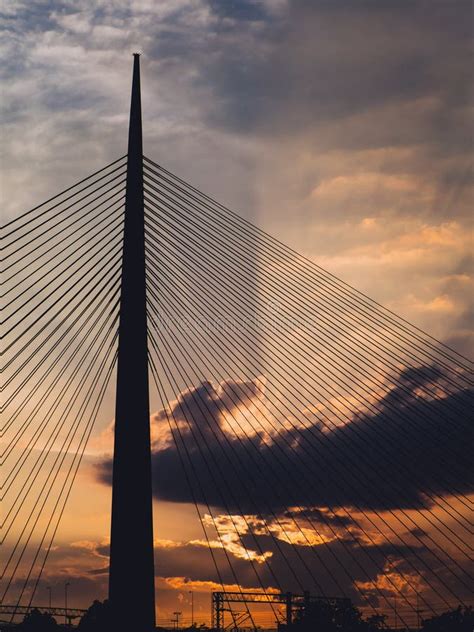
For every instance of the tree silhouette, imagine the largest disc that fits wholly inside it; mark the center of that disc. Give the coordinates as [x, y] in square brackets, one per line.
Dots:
[459, 620]
[36, 621]
[326, 617]
[97, 618]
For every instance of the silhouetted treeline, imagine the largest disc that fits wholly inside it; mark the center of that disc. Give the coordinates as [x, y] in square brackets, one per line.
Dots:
[317, 616]
[459, 620]
[37, 621]
[325, 617]
[346, 618]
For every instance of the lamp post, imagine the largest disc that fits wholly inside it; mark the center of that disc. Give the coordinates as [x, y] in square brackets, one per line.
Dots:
[48, 588]
[66, 586]
[192, 608]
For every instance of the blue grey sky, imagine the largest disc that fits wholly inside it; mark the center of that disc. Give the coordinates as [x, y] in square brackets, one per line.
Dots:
[343, 127]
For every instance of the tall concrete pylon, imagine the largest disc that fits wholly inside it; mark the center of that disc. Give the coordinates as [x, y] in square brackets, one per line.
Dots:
[131, 580]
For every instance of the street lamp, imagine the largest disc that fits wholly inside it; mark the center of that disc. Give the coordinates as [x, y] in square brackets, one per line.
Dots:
[192, 608]
[66, 586]
[48, 588]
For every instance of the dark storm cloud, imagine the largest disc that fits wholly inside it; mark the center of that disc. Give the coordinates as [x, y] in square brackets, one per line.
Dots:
[326, 61]
[410, 451]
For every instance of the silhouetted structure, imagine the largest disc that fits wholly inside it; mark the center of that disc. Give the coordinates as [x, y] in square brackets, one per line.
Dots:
[131, 546]
[295, 605]
[353, 383]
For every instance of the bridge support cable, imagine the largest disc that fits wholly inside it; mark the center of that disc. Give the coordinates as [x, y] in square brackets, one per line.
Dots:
[242, 407]
[207, 414]
[197, 277]
[188, 252]
[55, 260]
[308, 482]
[197, 442]
[60, 304]
[49, 442]
[389, 605]
[112, 261]
[189, 345]
[75, 468]
[224, 409]
[52, 241]
[310, 269]
[271, 484]
[93, 254]
[65, 490]
[187, 249]
[388, 403]
[30, 234]
[299, 349]
[75, 407]
[81, 422]
[28, 255]
[242, 245]
[63, 341]
[18, 222]
[190, 473]
[27, 422]
[292, 286]
[221, 485]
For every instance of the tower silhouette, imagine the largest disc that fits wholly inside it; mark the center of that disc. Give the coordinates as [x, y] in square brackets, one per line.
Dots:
[131, 577]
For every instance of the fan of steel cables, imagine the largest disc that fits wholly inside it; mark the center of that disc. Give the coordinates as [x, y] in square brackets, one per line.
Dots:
[323, 440]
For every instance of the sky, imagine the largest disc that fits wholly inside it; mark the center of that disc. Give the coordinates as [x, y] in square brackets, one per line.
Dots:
[343, 128]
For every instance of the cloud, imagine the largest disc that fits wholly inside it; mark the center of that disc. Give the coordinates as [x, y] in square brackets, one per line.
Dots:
[364, 105]
[188, 565]
[372, 462]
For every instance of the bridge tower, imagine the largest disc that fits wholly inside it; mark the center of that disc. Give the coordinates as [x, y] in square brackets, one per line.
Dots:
[131, 580]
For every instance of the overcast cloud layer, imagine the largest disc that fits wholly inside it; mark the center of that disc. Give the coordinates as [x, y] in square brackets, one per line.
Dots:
[342, 127]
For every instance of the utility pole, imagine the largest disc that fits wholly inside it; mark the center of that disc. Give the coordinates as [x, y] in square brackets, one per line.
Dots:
[218, 610]
[66, 586]
[48, 588]
[418, 612]
[176, 620]
[131, 579]
[289, 609]
[192, 607]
